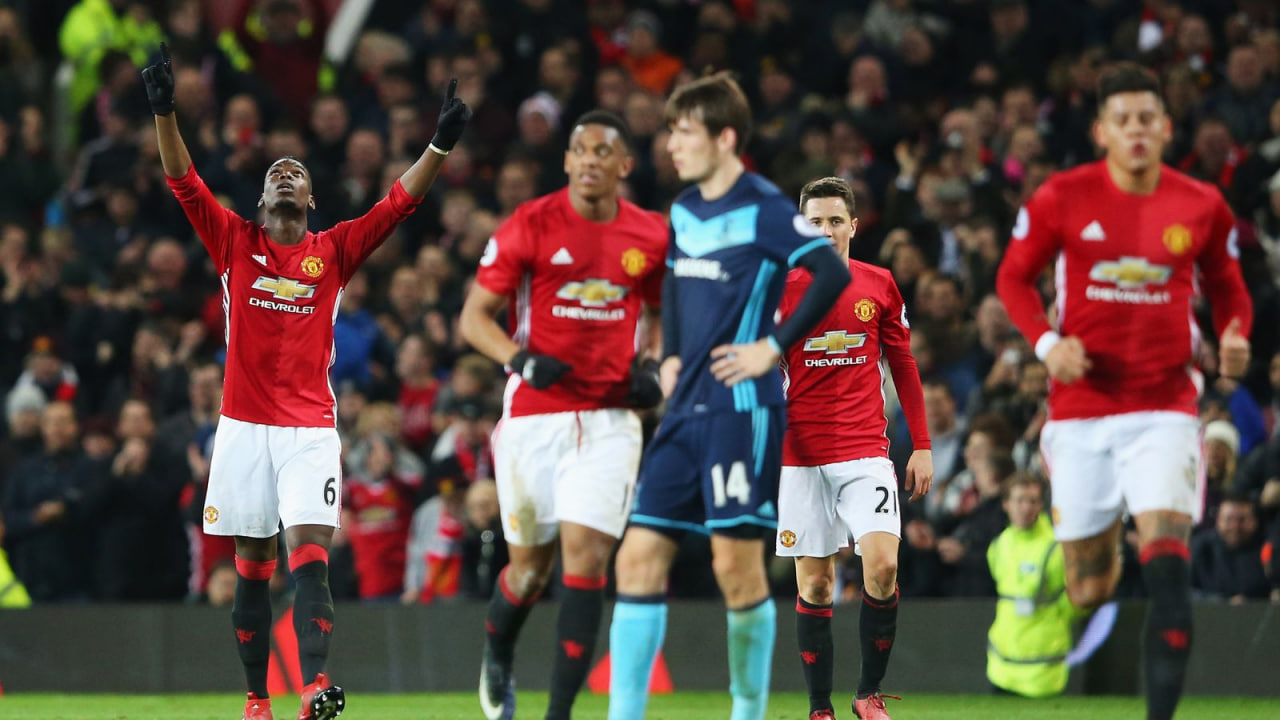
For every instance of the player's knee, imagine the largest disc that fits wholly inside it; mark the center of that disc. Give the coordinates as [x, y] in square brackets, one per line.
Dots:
[817, 588]
[527, 579]
[639, 571]
[1089, 593]
[880, 574]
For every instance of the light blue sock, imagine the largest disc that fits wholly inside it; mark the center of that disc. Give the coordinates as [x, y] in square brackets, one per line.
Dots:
[635, 636]
[751, 634]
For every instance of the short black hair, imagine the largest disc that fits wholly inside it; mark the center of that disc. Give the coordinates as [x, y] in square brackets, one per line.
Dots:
[607, 119]
[1126, 77]
[828, 187]
[292, 159]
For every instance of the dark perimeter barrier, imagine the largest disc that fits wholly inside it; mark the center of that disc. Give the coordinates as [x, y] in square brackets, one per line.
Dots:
[941, 647]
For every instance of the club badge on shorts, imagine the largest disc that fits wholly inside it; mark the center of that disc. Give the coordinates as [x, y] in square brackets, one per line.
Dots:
[787, 538]
[211, 514]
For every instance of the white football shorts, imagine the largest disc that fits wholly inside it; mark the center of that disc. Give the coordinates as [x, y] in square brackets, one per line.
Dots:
[1142, 461]
[819, 508]
[262, 475]
[577, 467]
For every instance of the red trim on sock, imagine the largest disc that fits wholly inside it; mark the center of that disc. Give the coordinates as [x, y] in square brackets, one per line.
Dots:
[308, 553]
[255, 569]
[1163, 547]
[578, 582]
[509, 594]
[889, 602]
[818, 611]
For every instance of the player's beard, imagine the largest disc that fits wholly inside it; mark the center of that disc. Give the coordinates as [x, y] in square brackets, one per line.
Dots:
[288, 207]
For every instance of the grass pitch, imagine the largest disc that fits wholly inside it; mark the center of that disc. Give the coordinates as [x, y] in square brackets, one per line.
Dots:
[681, 706]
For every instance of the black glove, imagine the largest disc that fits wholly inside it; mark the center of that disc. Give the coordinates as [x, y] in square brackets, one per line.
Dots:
[159, 81]
[646, 389]
[454, 115]
[540, 371]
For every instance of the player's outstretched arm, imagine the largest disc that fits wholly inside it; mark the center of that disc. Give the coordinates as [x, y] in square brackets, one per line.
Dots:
[159, 81]
[454, 114]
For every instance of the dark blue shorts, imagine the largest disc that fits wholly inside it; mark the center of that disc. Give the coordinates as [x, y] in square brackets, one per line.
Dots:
[712, 472]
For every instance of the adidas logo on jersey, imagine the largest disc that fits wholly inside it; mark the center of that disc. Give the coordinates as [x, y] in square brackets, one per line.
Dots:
[262, 259]
[562, 257]
[1093, 231]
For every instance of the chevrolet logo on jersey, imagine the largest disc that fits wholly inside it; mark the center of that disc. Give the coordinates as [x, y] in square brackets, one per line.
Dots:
[592, 293]
[284, 288]
[1130, 273]
[835, 342]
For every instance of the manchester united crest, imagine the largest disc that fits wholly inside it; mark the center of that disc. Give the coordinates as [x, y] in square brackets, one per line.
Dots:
[634, 262]
[312, 266]
[1177, 238]
[864, 309]
[211, 514]
[787, 538]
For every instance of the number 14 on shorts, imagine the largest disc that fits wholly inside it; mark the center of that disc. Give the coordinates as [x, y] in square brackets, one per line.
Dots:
[737, 487]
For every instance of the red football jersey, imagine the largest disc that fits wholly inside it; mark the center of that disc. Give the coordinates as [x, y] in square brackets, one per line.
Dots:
[1127, 270]
[577, 288]
[281, 301]
[833, 378]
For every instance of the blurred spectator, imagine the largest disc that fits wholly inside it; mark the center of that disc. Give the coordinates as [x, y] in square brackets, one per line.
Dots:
[284, 45]
[1221, 456]
[484, 550]
[963, 551]
[51, 506]
[650, 67]
[20, 68]
[377, 507]
[433, 564]
[466, 439]
[26, 171]
[1226, 561]
[23, 408]
[93, 27]
[1245, 100]
[419, 390]
[362, 352]
[142, 550]
[220, 588]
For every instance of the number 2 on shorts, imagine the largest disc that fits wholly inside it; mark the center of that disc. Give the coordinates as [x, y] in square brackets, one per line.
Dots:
[737, 488]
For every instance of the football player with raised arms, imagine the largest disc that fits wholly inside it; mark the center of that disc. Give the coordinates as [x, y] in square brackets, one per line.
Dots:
[276, 456]
[1134, 242]
[578, 270]
[837, 480]
[713, 465]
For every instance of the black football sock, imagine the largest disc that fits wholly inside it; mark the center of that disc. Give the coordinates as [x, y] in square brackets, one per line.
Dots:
[877, 626]
[251, 617]
[507, 613]
[1168, 630]
[312, 608]
[813, 634]
[576, 630]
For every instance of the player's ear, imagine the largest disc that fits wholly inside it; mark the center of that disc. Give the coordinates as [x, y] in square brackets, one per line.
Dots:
[627, 165]
[311, 201]
[262, 200]
[853, 228]
[1095, 132]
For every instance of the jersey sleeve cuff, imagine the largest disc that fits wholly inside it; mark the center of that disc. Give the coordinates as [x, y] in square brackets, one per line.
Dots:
[773, 343]
[1046, 343]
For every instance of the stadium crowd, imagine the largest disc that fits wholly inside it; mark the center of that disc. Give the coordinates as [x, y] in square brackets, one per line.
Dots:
[944, 116]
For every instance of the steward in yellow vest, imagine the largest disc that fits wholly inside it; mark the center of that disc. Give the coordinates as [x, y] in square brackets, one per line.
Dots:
[1028, 642]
